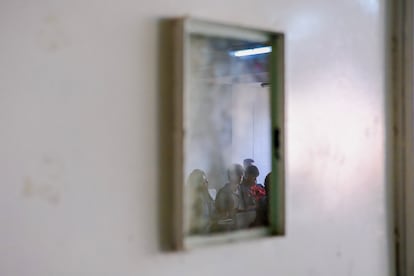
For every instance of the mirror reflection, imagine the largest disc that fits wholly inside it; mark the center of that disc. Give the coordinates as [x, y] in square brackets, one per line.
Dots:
[227, 148]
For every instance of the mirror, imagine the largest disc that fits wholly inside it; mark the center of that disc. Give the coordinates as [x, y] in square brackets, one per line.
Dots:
[227, 146]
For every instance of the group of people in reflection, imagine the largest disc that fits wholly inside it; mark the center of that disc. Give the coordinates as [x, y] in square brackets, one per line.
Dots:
[240, 203]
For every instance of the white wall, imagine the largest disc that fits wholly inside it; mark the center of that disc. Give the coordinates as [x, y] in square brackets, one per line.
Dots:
[80, 145]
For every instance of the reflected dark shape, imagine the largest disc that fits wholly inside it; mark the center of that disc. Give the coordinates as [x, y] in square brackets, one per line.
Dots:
[247, 162]
[262, 210]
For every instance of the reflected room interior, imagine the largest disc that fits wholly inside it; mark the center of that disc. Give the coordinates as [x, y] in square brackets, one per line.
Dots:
[227, 141]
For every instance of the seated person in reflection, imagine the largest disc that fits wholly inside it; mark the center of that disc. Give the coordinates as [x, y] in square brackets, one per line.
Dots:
[250, 191]
[262, 210]
[227, 199]
[201, 204]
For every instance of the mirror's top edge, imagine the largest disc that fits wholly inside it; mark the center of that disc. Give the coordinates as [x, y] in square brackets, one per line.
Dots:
[204, 27]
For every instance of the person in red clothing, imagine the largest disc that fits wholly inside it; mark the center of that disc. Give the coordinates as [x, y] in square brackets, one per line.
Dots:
[250, 191]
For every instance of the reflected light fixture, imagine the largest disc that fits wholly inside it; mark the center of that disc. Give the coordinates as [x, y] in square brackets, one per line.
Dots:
[252, 51]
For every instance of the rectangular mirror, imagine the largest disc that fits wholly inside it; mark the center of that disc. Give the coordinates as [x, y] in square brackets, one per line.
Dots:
[229, 153]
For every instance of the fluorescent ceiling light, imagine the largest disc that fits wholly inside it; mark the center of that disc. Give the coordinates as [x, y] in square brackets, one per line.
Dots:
[252, 52]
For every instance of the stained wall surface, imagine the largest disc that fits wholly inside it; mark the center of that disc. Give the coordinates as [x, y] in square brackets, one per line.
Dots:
[83, 129]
